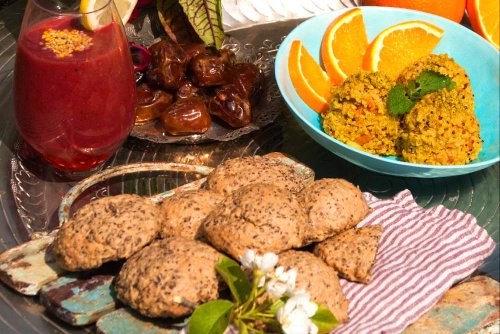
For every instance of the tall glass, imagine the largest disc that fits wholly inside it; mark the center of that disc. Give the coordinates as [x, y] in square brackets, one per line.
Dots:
[74, 86]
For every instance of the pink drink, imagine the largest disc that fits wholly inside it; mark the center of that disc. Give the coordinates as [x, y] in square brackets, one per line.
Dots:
[76, 110]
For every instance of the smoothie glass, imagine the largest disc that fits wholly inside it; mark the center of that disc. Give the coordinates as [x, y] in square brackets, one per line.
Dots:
[74, 86]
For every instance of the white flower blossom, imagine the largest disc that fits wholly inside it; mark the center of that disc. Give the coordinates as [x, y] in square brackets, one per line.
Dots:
[281, 282]
[302, 300]
[268, 262]
[248, 260]
[264, 263]
[275, 289]
[295, 321]
[295, 315]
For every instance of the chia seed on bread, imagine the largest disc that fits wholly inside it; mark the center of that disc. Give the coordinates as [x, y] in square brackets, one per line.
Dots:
[106, 229]
[259, 216]
[236, 173]
[169, 278]
[352, 253]
[318, 279]
[184, 212]
[332, 206]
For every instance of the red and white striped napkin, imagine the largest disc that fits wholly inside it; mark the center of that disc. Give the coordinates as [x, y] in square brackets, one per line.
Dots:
[422, 252]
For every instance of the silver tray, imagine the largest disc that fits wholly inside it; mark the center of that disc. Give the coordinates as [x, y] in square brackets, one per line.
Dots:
[30, 192]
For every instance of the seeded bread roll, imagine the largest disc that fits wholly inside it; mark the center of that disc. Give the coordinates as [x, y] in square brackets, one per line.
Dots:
[332, 206]
[318, 279]
[183, 213]
[352, 253]
[236, 173]
[169, 278]
[259, 216]
[106, 229]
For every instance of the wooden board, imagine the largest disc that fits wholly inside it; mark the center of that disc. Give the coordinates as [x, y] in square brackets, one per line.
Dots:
[27, 267]
[466, 308]
[79, 301]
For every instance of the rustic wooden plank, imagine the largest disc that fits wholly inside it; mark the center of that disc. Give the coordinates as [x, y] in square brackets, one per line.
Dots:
[127, 321]
[470, 307]
[29, 266]
[79, 301]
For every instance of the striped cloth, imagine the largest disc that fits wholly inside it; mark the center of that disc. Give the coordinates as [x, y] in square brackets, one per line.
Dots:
[422, 252]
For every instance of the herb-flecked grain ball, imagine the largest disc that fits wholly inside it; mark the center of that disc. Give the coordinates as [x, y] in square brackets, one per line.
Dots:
[106, 229]
[358, 114]
[462, 94]
[442, 128]
[437, 131]
[169, 278]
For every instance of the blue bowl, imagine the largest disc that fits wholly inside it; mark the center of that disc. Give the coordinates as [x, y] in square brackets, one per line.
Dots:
[472, 52]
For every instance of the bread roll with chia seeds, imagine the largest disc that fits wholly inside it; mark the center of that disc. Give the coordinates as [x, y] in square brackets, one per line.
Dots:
[169, 278]
[332, 206]
[106, 229]
[238, 172]
[318, 279]
[259, 216]
[352, 253]
[183, 213]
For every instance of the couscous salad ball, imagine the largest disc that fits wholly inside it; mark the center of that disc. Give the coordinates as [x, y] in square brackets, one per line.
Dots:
[358, 114]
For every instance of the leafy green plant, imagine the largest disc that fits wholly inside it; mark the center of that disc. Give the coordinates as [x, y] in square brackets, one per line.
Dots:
[265, 303]
[190, 20]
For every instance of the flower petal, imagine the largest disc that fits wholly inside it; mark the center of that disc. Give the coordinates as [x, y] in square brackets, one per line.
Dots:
[269, 261]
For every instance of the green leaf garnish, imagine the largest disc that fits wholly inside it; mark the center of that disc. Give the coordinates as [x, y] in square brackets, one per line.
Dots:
[430, 82]
[324, 319]
[211, 318]
[397, 102]
[235, 278]
[206, 18]
[402, 99]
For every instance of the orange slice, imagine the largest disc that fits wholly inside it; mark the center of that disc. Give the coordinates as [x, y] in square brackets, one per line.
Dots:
[344, 45]
[308, 78]
[484, 17]
[401, 45]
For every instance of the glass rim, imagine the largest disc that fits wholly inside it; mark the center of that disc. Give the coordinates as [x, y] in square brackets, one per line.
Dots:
[69, 12]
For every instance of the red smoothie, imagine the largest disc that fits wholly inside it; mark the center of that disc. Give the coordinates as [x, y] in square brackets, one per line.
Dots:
[74, 104]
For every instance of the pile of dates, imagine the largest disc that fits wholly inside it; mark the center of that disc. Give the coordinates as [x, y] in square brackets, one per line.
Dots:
[184, 86]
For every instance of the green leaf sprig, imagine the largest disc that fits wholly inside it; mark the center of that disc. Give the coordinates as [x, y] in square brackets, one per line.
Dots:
[402, 98]
[266, 303]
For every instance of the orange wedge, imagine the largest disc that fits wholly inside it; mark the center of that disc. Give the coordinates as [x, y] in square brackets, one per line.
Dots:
[308, 78]
[401, 45]
[484, 18]
[344, 45]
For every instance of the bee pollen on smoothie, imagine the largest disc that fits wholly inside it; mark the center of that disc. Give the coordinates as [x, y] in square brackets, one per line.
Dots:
[64, 42]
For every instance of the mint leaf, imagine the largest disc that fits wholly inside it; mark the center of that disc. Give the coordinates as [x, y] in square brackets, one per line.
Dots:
[211, 318]
[430, 81]
[235, 279]
[206, 18]
[324, 319]
[398, 102]
[402, 99]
